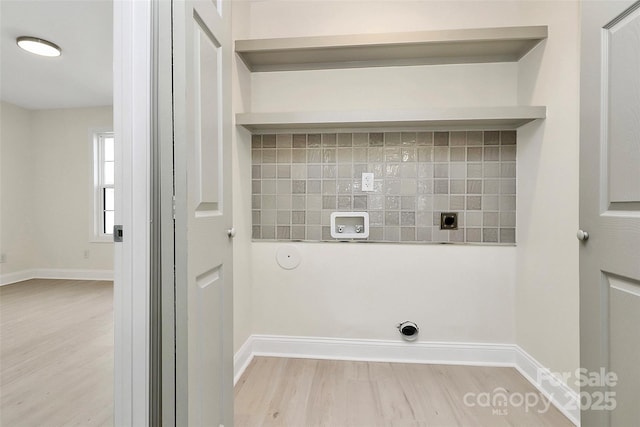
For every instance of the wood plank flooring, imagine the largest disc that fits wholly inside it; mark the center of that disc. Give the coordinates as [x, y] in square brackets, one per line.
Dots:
[309, 393]
[56, 353]
[56, 357]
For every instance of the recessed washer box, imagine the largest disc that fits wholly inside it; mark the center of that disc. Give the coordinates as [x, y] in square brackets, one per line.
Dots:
[349, 225]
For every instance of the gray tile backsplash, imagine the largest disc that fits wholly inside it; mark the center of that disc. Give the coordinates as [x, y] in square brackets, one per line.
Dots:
[299, 179]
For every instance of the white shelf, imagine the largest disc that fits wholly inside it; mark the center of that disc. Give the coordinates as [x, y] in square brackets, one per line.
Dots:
[506, 44]
[463, 118]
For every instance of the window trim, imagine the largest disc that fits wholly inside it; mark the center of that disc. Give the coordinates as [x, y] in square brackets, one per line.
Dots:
[97, 208]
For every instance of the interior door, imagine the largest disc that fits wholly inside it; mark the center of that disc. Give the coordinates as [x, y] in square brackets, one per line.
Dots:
[610, 211]
[203, 248]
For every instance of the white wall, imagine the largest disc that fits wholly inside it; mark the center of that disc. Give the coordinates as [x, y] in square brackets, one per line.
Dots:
[350, 290]
[547, 296]
[458, 293]
[468, 85]
[63, 188]
[455, 293]
[55, 213]
[242, 296]
[16, 188]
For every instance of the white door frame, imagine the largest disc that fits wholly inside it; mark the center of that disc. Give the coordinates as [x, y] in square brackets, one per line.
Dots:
[132, 122]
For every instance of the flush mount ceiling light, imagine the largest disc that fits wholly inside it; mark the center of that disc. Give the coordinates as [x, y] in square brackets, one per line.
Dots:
[38, 46]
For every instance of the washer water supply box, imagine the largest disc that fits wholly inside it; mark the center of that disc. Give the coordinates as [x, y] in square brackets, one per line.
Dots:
[349, 225]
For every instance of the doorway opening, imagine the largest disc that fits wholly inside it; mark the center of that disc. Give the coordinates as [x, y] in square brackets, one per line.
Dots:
[57, 214]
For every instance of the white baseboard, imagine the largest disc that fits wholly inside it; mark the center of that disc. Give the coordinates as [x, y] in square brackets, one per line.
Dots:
[242, 358]
[55, 273]
[17, 276]
[446, 353]
[564, 398]
[384, 351]
[70, 274]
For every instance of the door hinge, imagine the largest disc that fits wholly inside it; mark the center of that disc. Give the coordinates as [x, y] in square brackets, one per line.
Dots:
[117, 233]
[174, 206]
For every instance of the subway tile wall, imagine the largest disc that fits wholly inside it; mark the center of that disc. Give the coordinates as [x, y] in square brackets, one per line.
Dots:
[299, 179]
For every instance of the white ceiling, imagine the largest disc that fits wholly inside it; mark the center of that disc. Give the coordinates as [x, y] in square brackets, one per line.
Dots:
[80, 77]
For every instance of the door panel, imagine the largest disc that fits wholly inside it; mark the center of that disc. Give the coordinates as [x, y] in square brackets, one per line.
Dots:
[202, 116]
[624, 318]
[209, 314]
[621, 54]
[208, 124]
[610, 210]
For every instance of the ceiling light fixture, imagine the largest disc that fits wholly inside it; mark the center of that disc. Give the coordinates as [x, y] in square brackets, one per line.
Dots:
[38, 46]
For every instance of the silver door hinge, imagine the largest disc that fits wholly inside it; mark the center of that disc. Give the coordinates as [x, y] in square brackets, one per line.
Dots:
[174, 206]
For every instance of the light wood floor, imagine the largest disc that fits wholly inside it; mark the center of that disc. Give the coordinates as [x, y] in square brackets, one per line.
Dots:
[56, 357]
[306, 393]
[56, 353]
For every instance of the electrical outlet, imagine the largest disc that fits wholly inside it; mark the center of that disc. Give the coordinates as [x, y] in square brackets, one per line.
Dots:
[3, 258]
[367, 181]
[449, 221]
[86, 254]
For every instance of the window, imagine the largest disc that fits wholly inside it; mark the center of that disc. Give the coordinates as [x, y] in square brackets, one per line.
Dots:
[104, 191]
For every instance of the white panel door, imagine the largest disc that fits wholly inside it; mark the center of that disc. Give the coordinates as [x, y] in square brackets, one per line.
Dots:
[610, 212]
[202, 114]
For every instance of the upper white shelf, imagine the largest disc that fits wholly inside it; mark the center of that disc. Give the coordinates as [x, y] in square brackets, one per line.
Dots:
[506, 44]
[470, 118]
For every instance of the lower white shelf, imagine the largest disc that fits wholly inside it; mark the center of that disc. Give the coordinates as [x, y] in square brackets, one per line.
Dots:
[450, 118]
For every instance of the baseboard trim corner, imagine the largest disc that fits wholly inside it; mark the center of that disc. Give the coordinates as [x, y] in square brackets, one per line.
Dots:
[15, 277]
[242, 359]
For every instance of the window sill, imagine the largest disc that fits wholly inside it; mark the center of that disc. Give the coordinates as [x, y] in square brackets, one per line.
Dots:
[101, 240]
